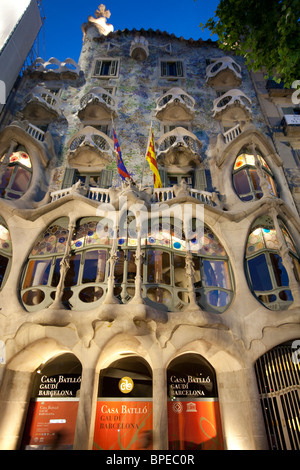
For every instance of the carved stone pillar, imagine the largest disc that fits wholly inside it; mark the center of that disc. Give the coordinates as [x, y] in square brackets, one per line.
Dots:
[110, 298]
[64, 266]
[139, 259]
[190, 271]
[262, 180]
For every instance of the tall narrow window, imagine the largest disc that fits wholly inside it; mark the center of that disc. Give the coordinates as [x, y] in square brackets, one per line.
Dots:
[246, 179]
[16, 174]
[267, 275]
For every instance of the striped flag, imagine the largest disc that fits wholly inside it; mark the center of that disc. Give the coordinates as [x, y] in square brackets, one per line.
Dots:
[151, 158]
[120, 164]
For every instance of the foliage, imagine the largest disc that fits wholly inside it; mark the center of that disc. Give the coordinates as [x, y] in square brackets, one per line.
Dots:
[265, 32]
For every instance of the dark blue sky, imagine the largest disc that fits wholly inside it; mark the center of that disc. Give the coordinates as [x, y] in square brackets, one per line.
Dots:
[62, 30]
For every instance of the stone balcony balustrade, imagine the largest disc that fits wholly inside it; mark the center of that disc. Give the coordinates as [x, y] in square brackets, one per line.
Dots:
[175, 105]
[233, 105]
[41, 105]
[178, 147]
[103, 195]
[223, 71]
[97, 104]
[53, 69]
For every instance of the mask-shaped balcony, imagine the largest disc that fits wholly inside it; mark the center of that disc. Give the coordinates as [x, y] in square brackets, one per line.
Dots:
[90, 148]
[139, 48]
[178, 148]
[41, 105]
[97, 104]
[53, 69]
[175, 105]
[233, 106]
[223, 72]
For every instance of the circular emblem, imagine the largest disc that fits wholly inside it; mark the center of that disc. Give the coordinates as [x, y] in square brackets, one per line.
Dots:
[126, 385]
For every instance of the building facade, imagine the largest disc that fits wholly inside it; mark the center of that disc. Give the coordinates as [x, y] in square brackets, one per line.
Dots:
[143, 317]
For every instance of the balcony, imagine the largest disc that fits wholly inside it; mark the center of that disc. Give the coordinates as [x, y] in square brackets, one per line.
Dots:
[175, 105]
[233, 105]
[179, 148]
[53, 69]
[139, 49]
[223, 72]
[102, 195]
[291, 125]
[41, 105]
[97, 104]
[90, 148]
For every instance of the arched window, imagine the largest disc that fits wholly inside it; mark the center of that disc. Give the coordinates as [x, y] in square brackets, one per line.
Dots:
[5, 253]
[86, 278]
[16, 172]
[246, 178]
[267, 276]
[165, 268]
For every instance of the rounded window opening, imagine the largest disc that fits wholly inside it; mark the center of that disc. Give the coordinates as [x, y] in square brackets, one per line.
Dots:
[194, 421]
[246, 178]
[124, 406]
[5, 253]
[267, 275]
[16, 173]
[52, 412]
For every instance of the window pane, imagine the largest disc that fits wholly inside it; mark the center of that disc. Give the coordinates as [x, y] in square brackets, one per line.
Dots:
[56, 273]
[37, 273]
[281, 276]
[158, 267]
[72, 273]
[119, 268]
[5, 180]
[3, 266]
[255, 180]
[241, 182]
[21, 180]
[259, 273]
[180, 277]
[131, 267]
[216, 274]
[94, 266]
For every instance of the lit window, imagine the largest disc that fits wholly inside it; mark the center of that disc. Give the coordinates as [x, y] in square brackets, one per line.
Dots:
[246, 179]
[16, 176]
[267, 275]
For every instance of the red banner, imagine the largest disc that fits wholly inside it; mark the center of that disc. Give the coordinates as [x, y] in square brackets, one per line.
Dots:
[123, 425]
[50, 424]
[195, 425]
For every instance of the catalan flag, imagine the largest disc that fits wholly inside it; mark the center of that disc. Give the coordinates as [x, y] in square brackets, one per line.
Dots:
[151, 158]
[120, 164]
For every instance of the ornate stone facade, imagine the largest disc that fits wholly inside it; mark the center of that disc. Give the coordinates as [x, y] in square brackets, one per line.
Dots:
[124, 279]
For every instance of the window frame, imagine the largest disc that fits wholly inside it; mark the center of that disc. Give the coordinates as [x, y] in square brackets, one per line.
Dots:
[113, 68]
[164, 68]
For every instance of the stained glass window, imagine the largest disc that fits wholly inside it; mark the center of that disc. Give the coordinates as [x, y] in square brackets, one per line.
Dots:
[246, 179]
[16, 177]
[267, 274]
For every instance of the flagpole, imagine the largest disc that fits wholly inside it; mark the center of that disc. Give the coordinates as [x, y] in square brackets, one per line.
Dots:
[145, 157]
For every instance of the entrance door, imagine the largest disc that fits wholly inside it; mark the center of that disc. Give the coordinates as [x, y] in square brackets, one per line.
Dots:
[124, 406]
[52, 413]
[194, 421]
[278, 378]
